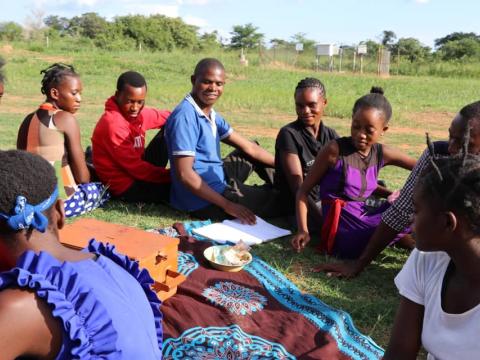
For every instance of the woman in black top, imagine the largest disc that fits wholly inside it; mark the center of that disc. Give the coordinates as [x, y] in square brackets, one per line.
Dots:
[299, 142]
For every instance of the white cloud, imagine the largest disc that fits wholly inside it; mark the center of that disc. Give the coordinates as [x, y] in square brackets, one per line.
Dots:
[87, 2]
[192, 20]
[197, 2]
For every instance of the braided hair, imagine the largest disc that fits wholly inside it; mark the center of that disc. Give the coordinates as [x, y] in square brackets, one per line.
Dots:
[375, 100]
[311, 83]
[54, 75]
[454, 186]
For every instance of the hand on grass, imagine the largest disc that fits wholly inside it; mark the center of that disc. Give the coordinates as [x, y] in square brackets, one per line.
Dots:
[240, 212]
[300, 240]
[346, 270]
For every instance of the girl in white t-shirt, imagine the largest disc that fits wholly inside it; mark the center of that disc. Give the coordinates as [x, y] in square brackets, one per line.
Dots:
[440, 282]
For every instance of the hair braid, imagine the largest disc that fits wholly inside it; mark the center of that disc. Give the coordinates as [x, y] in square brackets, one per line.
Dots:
[311, 83]
[54, 74]
[377, 100]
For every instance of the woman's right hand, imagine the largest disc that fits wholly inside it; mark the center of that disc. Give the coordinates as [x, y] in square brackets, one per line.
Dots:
[300, 240]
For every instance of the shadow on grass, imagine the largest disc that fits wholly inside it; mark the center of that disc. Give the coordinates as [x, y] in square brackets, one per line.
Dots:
[141, 215]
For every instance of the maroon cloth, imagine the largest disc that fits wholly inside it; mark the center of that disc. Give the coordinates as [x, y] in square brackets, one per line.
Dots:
[275, 323]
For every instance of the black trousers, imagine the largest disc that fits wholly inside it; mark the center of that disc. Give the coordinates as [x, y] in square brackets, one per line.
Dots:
[263, 200]
[148, 192]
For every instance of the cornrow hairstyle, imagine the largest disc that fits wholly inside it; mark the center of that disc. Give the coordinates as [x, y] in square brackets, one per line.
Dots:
[455, 186]
[2, 75]
[207, 63]
[26, 174]
[131, 78]
[375, 100]
[311, 83]
[54, 75]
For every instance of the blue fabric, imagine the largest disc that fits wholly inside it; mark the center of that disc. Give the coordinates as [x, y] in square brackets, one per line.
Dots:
[106, 312]
[87, 198]
[190, 225]
[219, 343]
[337, 323]
[189, 132]
[25, 215]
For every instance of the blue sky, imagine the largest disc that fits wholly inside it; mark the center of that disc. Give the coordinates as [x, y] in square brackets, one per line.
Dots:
[341, 21]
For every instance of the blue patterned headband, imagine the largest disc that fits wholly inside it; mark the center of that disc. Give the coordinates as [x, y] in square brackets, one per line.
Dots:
[25, 215]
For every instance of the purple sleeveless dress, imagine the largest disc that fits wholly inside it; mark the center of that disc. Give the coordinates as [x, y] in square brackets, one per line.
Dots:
[106, 307]
[353, 179]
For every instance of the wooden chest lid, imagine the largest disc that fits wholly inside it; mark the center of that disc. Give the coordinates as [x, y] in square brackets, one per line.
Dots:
[136, 243]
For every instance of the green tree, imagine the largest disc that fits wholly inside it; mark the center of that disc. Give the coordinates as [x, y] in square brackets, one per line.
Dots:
[460, 49]
[411, 48]
[55, 22]
[157, 32]
[301, 38]
[184, 35]
[10, 31]
[388, 37]
[279, 42]
[372, 47]
[455, 36]
[246, 36]
[90, 25]
[209, 40]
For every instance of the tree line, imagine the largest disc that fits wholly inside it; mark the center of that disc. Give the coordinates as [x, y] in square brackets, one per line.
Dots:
[162, 33]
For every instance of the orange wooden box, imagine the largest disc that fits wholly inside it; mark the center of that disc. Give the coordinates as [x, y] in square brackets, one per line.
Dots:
[157, 253]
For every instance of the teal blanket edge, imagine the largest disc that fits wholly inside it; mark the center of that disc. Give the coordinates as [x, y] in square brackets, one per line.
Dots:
[337, 323]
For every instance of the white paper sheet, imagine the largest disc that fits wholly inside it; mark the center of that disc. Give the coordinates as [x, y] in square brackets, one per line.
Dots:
[233, 231]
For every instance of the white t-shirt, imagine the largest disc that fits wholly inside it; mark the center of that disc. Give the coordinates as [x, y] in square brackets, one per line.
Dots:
[444, 336]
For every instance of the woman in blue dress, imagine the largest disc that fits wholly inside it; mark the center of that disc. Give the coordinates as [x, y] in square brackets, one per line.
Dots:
[59, 303]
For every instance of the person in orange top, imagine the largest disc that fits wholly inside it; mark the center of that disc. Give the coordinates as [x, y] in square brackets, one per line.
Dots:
[131, 172]
[53, 132]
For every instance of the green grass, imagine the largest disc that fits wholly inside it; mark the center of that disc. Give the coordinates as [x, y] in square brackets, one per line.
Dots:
[258, 99]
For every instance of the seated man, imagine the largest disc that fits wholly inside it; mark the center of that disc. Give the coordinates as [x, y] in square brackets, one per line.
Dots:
[202, 183]
[133, 173]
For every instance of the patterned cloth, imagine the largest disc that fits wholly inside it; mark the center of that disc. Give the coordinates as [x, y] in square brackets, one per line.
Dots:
[254, 314]
[87, 198]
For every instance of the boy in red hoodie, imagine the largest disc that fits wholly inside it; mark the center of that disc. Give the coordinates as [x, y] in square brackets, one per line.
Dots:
[133, 173]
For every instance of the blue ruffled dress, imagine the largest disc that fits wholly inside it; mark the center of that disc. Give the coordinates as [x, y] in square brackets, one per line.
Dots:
[106, 312]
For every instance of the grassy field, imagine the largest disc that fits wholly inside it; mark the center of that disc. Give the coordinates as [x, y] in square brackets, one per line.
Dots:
[257, 101]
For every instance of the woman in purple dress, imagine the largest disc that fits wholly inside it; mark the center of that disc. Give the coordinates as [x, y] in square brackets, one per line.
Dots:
[347, 171]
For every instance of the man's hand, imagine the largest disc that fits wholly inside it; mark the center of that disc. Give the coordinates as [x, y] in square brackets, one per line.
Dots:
[240, 212]
[347, 270]
[300, 240]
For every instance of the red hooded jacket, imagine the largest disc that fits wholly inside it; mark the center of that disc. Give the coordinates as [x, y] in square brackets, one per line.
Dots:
[118, 145]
